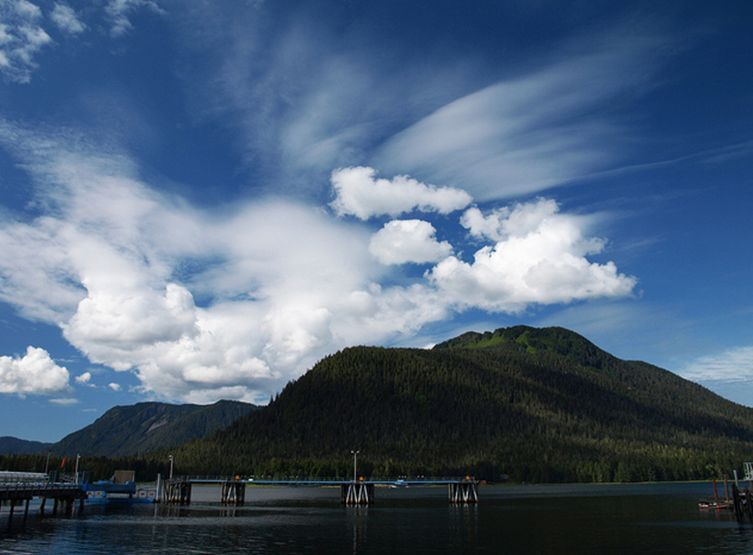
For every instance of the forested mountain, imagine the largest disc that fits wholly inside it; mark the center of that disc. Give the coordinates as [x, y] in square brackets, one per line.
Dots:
[14, 446]
[147, 427]
[534, 404]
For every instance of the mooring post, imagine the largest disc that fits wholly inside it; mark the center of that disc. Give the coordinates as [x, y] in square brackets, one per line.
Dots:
[55, 506]
[736, 503]
[41, 506]
[26, 510]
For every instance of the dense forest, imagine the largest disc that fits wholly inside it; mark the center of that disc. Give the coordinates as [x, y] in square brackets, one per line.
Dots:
[525, 404]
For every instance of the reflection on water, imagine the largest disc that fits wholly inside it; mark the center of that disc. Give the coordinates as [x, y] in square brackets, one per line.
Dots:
[646, 518]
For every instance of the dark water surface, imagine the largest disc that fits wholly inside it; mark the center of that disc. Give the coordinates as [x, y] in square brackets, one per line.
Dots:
[642, 518]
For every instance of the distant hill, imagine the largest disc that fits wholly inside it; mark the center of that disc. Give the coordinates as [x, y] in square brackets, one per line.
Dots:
[534, 404]
[147, 427]
[14, 446]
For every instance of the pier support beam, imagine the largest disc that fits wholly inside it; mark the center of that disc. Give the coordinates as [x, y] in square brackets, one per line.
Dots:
[463, 492]
[177, 492]
[233, 493]
[357, 493]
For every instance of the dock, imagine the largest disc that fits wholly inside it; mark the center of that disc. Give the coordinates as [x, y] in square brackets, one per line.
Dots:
[19, 488]
[352, 492]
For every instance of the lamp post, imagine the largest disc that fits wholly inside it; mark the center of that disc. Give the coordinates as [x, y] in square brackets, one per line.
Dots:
[355, 463]
[172, 460]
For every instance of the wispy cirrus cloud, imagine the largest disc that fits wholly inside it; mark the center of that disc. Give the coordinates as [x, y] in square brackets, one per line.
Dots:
[119, 13]
[545, 127]
[731, 365]
[25, 29]
[66, 19]
[292, 90]
[64, 401]
[22, 37]
[294, 95]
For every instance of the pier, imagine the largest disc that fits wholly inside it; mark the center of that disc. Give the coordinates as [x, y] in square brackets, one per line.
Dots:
[352, 492]
[18, 489]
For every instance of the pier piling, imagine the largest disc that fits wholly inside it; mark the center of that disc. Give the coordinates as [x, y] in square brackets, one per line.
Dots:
[357, 493]
[465, 491]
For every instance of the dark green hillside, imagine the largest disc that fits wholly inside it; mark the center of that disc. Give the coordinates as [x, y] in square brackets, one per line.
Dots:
[14, 446]
[148, 427]
[536, 404]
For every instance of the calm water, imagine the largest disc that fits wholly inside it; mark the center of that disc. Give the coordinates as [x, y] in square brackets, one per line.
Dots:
[652, 518]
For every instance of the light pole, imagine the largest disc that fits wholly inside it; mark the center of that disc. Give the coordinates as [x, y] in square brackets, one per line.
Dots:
[47, 464]
[172, 460]
[78, 458]
[355, 463]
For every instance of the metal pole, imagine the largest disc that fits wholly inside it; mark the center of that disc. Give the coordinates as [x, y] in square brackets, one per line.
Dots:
[47, 464]
[172, 460]
[355, 464]
[78, 457]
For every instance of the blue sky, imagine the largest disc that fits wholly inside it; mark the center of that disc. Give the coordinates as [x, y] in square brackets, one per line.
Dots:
[199, 200]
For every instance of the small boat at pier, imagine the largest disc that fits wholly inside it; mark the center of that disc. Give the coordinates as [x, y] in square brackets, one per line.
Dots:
[120, 489]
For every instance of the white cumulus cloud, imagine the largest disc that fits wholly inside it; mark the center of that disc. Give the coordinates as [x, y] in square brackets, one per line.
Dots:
[33, 373]
[539, 257]
[361, 194]
[84, 378]
[404, 241]
[114, 386]
[232, 302]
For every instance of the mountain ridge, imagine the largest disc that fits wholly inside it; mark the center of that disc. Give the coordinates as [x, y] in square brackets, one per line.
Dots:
[10, 445]
[535, 403]
[149, 426]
